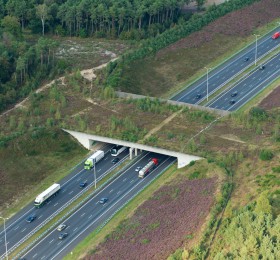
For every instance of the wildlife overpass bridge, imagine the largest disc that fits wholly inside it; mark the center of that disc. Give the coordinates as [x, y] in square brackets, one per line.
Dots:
[87, 141]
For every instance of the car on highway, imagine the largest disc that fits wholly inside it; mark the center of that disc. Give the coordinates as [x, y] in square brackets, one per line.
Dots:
[103, 200]
[62, 236]
[198, 96]
[83, 184]
[138, 168]
[232, 101]
[246, 58]
[61, 227]
[261, 67]
[115, 160]
[234, 94]
[275, 35]
[31, 218]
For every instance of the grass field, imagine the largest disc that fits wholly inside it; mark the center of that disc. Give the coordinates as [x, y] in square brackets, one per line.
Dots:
[29, 164]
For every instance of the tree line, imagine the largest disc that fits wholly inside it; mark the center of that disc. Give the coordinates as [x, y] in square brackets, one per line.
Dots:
[24, 64]
[127, 19]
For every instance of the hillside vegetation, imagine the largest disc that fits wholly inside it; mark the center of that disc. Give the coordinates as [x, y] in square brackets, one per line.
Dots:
[214, 204]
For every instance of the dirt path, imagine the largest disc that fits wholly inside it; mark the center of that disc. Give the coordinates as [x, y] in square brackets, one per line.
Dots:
[87, 74]
[163, 123]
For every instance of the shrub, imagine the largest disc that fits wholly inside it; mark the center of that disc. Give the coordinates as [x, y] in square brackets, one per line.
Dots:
[194, 175]
[258, 113]
[192, 163]
[266, 155]
[276, 169]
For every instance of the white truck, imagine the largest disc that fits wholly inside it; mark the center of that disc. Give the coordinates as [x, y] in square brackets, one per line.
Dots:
[148, 168]
[46, 195]
[93, 159]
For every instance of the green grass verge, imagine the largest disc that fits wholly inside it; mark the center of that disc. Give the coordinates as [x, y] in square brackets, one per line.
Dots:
[33, 163]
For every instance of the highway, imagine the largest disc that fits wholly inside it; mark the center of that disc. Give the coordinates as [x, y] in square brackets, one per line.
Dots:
[92, 214]
[227, 71]
[18, 229]
[248, 87]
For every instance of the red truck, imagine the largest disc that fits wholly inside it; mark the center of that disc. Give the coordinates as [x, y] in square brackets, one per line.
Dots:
[276, 35]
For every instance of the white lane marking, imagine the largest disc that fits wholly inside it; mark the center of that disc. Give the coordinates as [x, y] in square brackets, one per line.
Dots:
[111, 190]
[99, 170]
[92, 199]
[124, 179]
[63, 190]
[23, 230]
[53, 257]
[14, 229]
[43, 257]
[70, 192]
[90, 216]
[34, 255]
[97, 202]
[59, 243]
[40, 216]
[51, 241]
[132, 181]
[105, 158]
[48, 202]
[83, 214]
[55, 204]
[118, 192]
[75, 229]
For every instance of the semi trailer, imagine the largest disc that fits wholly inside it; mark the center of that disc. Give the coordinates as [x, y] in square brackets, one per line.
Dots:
[46, 195]
[93, 159]
[148, 168]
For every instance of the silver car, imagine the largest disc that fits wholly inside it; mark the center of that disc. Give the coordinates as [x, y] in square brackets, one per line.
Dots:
[61, 227]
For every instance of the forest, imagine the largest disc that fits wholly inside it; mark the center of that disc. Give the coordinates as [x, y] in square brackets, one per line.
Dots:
[27, 48]
[127, 19]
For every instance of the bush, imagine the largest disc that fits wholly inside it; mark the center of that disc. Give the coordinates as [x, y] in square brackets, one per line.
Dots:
[276, 169]
[192, 163]
[258, 113]
[266, 155]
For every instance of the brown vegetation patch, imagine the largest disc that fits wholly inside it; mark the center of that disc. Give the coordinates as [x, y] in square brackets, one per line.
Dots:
[238, 23]
[163, 223]
[272, 100]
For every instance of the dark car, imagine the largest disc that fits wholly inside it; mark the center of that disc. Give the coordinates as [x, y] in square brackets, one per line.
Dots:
[198, 96]
[261, 67]
[83, 184]
[103, 200]
[62, 236]
[232, 101]
[233, 94]
[115, 160]
[246, 58]
[31, 218]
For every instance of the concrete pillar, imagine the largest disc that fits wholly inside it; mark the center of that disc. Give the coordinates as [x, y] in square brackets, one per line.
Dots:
[130, 153]
[136, 150]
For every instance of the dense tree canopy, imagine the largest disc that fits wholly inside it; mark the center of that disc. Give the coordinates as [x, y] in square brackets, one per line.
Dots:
[112, 18]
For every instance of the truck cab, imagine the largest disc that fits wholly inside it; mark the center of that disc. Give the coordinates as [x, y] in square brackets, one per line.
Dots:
[276, 35]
